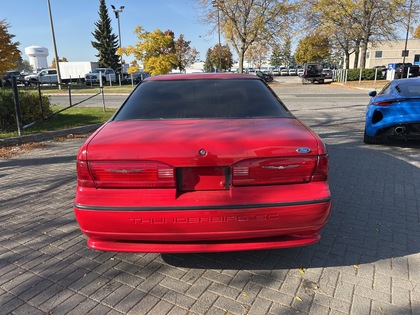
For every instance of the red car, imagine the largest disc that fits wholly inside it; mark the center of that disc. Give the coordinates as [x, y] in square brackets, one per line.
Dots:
[202, 163]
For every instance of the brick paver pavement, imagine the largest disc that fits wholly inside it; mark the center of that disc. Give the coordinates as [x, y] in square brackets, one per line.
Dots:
[368, 261]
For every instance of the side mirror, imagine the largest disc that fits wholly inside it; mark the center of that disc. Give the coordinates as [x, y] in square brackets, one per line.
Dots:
[372, 93]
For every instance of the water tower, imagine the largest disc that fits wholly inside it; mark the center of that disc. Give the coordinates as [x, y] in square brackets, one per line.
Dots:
[37, 57]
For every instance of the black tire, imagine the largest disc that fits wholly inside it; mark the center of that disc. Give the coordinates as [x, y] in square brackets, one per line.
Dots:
[371, 140]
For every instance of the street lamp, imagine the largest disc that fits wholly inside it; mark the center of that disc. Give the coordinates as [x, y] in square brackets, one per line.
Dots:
[117, 16]
[55, 46]
[408, 29]
[215, 4]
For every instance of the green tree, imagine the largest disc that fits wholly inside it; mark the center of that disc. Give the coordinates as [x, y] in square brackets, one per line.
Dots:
[312, 48]
[106, 41]
[221, 57]
[185, 55]
[9, 52]
[156, 50]
[276, 58]
[208, 64]
[24, 65]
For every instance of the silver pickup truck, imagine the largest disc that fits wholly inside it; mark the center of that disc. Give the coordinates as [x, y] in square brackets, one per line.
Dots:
[108, 75]
[43, 76]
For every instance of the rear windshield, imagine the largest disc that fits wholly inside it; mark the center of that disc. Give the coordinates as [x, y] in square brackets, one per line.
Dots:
[211, 98]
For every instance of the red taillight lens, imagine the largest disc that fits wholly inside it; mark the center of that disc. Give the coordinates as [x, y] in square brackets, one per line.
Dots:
[289, 170]
[84, 179]
[292, 170]
[127, 174]
[321, 170]
[388, 103]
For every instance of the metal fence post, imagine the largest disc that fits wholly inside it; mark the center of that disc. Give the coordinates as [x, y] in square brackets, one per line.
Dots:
[17, 106]
[41, 107]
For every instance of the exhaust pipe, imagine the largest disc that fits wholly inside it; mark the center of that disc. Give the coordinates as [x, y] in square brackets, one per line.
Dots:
[399, 130]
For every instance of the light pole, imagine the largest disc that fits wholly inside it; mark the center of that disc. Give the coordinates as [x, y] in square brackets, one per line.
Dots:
[55, 46]
[408, 29]
[117, 15]
[216, 5]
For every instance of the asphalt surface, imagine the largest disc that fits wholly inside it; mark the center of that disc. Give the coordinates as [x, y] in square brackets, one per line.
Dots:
[368, 261]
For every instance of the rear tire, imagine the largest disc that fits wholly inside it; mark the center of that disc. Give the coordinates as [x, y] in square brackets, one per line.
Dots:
[371, 140]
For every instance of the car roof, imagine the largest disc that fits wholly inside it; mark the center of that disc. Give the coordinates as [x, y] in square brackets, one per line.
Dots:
[406, 80]
[202, 76]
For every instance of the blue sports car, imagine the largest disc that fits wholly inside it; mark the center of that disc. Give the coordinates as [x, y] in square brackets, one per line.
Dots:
[394, 112]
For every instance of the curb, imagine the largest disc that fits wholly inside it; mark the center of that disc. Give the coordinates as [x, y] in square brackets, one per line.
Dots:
[39, 137]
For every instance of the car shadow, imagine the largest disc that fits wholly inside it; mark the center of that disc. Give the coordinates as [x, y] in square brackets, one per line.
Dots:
[374, 215]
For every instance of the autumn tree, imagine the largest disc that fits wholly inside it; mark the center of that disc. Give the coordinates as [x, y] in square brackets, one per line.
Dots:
[106, 41]
[352, 25]
[221, 57]
[185, 54]
[156, 50]
[9, 52]
[54, 64]
[246, 22]
[417, 32]
[257, 53]
[312, 48]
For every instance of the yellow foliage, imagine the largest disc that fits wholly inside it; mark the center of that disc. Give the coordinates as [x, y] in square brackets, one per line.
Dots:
[154, 49]
[9, 51]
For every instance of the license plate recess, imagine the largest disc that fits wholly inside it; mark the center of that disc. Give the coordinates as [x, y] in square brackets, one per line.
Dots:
[203, 178]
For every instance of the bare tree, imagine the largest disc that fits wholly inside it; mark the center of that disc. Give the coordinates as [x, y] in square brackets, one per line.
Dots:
[248, 22]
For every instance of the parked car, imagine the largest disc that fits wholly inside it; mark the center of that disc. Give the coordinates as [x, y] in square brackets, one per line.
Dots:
[266, 76]
[394, 112]
[48, 76]
[6, 80]
[108, 75]
[284, 71]
[276, 71]
[312, 73]
[406, 70]
[300, 71]
[135, 78]
[292, 71]
[380, 71]
[328, 74]
[202, 163]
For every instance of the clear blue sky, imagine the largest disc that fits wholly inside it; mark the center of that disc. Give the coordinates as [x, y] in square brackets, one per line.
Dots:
[74, 20]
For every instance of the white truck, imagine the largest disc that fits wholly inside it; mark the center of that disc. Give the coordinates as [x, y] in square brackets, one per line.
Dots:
[44, 76]
[74, 71]
[108, 75]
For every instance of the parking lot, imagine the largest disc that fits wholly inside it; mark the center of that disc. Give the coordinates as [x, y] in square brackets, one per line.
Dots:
[368, 261]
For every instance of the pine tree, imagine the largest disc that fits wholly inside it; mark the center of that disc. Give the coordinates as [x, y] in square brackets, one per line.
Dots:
[106, 42]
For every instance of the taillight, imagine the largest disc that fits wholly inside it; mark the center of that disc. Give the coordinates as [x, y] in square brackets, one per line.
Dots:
[389, 102]
[290, 170]
[84, 179]
[321, 170]
[125, 174]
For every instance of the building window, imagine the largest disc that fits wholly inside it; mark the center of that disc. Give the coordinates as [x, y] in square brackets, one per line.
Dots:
[405, 53]
[378, 54]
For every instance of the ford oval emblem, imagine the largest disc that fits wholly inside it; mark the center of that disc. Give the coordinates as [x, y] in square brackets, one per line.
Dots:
[303, 150]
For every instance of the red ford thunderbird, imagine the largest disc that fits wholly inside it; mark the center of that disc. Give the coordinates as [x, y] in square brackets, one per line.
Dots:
[202, 163]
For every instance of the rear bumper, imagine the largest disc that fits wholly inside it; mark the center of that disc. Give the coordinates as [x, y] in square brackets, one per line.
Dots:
[241, 227]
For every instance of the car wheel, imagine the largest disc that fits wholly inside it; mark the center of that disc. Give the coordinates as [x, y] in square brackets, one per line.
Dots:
[371, 140]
